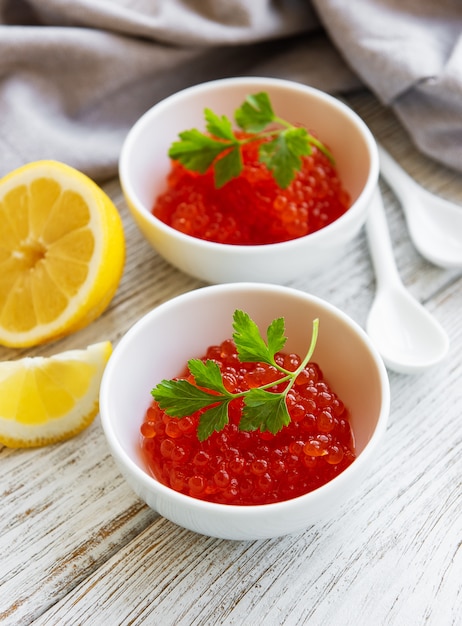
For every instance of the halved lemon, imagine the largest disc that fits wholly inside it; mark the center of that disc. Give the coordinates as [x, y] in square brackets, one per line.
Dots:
[44, 400]
[62, 251]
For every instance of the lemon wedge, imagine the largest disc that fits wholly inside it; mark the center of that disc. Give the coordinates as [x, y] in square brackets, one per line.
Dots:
[62, 251]
[44, 400]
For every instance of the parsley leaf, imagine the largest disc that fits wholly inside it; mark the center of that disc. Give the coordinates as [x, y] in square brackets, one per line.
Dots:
[214, 419]
[282, 155]
[196, 151]
[221, 148]
[263, 409]
[250, 344]
[255, 113]
[227, 167]
[179, 398]
[219, 126]
[207, 374]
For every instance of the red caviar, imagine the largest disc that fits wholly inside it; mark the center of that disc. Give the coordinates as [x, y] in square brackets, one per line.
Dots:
[247, 468]
[251, 209]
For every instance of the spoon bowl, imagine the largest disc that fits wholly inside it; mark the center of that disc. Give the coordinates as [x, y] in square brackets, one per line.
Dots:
[434, 224]
[408, 337]
[404, 332]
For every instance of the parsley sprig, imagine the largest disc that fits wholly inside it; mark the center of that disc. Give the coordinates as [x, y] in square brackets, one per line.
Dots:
[282, 154]
[263, 409]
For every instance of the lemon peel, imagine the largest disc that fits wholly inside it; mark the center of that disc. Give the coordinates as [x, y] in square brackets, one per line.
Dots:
[44, 400]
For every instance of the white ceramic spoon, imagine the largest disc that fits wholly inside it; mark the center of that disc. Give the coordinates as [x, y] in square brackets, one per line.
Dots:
[408, 338]
[434, 224]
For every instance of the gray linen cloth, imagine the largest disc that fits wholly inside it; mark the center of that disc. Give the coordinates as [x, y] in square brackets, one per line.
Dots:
[75, 75]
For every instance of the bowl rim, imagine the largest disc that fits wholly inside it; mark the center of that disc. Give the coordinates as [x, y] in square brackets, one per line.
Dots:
[152, 484]
[138, 128]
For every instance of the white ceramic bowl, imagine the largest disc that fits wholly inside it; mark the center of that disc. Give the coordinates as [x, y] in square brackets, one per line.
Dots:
[144, 165]
[159, 345]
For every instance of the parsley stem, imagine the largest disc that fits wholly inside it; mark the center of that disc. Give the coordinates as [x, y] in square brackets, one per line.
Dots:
[259, 136]
[242, 394]
[322, 148]
[277, 131]
[301, 367]
[292, 376]
[279, 120]
[289, 375]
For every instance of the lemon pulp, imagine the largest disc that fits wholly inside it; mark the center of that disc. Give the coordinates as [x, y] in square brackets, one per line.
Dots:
[62, 252]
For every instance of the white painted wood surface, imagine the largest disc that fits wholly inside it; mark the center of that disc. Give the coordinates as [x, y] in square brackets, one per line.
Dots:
[78, 547]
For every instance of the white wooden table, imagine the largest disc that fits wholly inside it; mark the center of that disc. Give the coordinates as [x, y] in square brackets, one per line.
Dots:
[78, 547]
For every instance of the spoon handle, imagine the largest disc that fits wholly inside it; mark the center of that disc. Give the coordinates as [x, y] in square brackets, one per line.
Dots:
[379, 242]
[399, 180]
